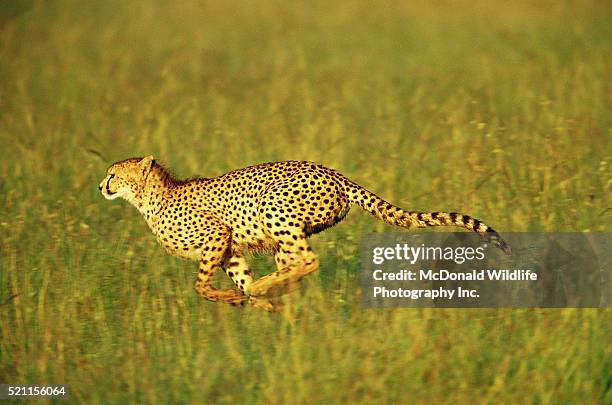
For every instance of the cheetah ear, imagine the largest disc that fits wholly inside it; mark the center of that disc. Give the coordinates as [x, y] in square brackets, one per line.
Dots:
[145, 165]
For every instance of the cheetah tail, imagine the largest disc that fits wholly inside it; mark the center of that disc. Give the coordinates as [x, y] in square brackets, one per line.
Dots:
[393, 215]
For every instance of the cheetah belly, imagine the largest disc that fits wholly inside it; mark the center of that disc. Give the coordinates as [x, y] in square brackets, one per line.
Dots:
[183, 252]
[257, 243]
[261, 245]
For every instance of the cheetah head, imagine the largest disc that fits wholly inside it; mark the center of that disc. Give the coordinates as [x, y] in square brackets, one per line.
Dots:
[126, 179]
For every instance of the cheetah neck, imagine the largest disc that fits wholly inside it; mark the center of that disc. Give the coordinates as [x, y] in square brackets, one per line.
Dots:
[154, 196]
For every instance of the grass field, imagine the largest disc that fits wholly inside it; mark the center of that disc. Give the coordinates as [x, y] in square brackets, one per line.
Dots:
[496, 109]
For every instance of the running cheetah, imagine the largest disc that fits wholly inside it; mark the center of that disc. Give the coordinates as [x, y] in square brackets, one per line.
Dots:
[271, 207]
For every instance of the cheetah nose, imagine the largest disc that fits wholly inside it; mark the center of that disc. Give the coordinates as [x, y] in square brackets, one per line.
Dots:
[100, 187]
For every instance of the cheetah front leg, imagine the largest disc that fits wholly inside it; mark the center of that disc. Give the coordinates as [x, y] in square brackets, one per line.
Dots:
[217, 242]
[294, 260]
[203, 286]
[238, 270]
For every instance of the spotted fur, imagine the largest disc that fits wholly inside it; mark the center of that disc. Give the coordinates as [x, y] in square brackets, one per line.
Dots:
[271, 207]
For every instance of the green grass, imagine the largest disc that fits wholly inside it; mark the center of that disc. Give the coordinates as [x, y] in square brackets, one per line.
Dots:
[499, 110]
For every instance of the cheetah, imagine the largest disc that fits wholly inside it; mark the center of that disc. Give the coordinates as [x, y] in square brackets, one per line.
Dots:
[270, 208]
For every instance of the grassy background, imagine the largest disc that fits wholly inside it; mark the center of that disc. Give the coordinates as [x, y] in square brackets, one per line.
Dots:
[498, 109]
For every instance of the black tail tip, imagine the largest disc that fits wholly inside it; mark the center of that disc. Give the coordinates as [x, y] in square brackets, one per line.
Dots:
[504, 247]
[498, 242]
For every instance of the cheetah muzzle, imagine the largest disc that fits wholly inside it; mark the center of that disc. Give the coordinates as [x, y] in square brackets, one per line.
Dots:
[271, 207]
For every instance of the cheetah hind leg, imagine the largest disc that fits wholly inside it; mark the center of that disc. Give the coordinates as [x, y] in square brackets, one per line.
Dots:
[282, 281]
[287, 278]
[265, 304]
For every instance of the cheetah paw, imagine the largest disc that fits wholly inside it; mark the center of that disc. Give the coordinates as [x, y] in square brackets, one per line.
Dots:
[265, 304]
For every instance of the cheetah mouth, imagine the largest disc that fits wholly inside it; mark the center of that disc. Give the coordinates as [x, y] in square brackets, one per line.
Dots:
[109, 193]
